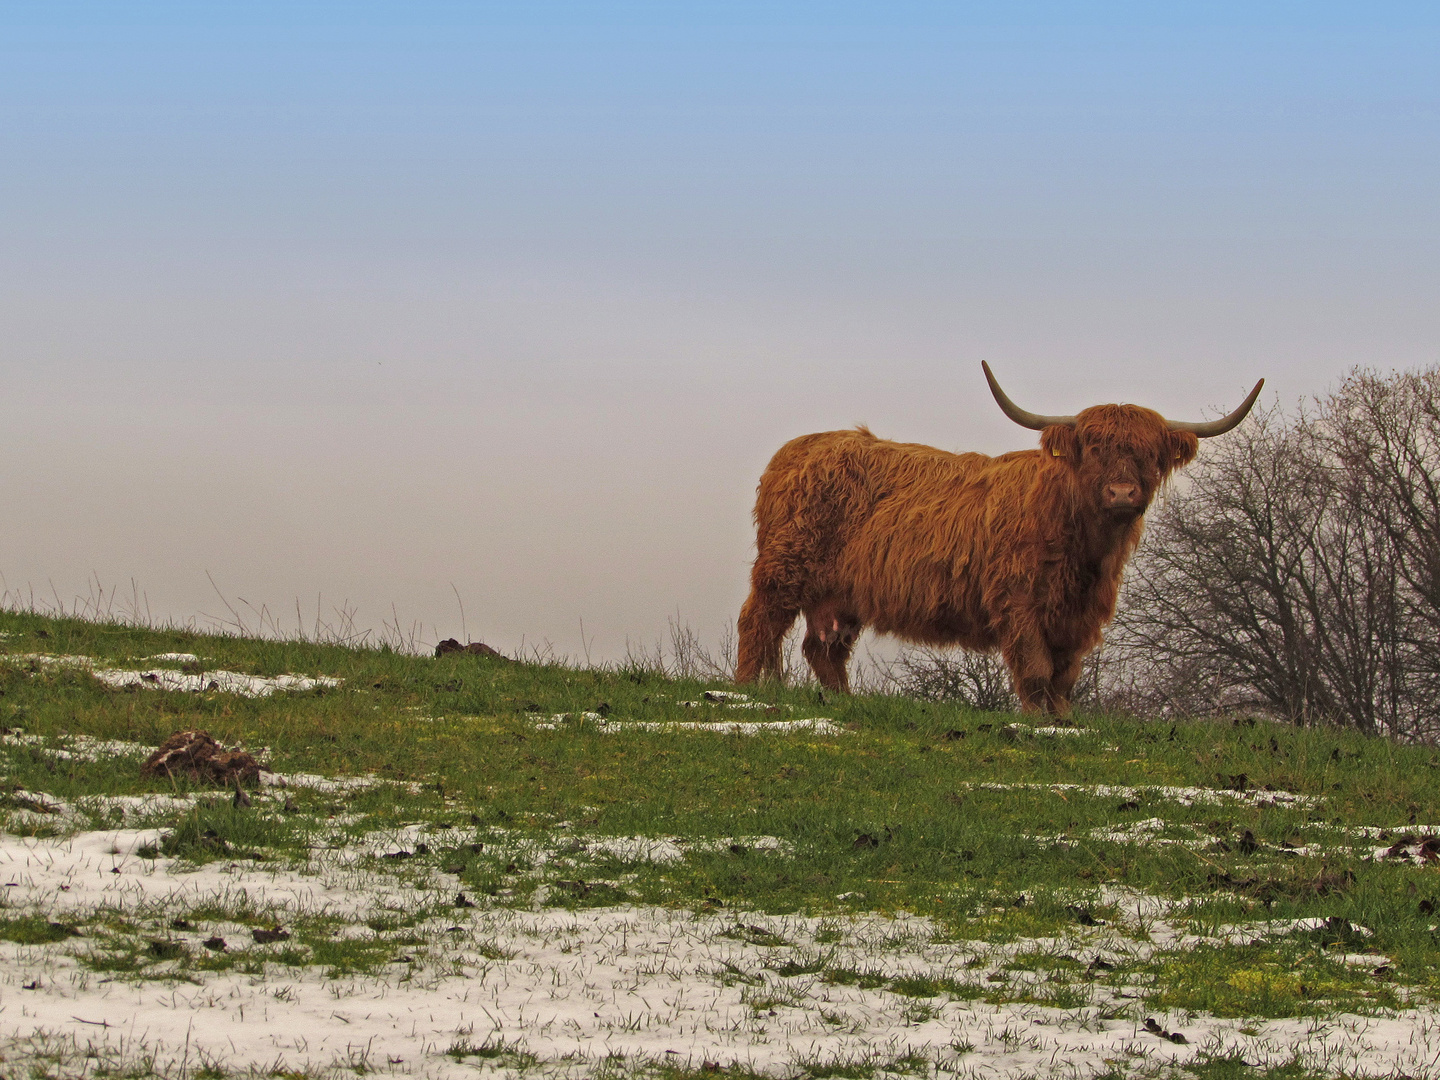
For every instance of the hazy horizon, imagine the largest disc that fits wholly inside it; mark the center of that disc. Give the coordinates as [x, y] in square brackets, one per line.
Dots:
[387, 302]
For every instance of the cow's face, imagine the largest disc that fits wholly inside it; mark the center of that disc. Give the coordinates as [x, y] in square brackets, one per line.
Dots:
[1120, 455]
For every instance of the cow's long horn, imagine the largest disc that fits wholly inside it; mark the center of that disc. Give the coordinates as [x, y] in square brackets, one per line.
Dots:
[1025, 419]
[1209, 428]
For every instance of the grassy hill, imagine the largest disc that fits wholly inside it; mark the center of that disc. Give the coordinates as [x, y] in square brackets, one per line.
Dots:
[797, 884]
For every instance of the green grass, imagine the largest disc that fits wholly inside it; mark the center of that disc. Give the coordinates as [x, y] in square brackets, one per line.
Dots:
[220, 831]
[886, 816]
[1237, 1068]
[1284, 980]
[862, 1068]
[34, 930]
[496, 1052]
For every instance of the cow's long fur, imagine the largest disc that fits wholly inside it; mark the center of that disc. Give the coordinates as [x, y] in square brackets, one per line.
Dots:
[1016, 552]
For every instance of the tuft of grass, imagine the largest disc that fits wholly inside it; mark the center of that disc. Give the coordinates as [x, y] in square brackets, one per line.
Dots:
[1207, 1066]
[497, 1051]
[223, 831]
[924, 986]
[35, 930]
[863, 1067]
[865, 980]
[754, 935]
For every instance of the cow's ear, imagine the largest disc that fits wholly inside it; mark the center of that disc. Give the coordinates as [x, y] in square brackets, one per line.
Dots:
[1183, 448]
[1058, 440]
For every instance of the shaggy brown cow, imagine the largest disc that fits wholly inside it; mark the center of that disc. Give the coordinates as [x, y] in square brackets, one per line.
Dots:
[1021, 552]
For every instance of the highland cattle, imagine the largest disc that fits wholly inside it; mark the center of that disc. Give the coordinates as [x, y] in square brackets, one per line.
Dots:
[1023, 552]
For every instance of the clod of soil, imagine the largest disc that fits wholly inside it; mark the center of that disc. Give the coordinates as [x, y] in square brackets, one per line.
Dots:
[475, 648]
[195, 754]
[1083, 916]
[1155, 1029]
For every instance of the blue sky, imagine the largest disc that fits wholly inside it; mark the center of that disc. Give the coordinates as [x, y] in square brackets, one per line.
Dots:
[520, 297]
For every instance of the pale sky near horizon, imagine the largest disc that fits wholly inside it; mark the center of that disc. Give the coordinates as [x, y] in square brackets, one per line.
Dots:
[382, 302]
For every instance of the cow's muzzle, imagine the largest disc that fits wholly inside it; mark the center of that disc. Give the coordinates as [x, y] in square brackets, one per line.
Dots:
[1122, 497]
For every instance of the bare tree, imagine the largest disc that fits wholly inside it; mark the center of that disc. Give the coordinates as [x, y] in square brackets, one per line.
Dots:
[1298, 570]
[979, 680]
[1385, 433]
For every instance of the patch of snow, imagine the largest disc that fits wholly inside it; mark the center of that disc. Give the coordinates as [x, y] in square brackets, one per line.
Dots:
[102, 870]
[225, 682]
[1308, 926]
[761, 705]
[84, 748]
[176, 657]
[77, 747]
[818, 724]
[1243, 933]
[136, 806]
[1185, 796]
[1025, 731]
[1370, 960]
[66, 817]
[570, 851]
[49, 659]
[670, 849]
[1412, 845]
[1194, 838]
[37, 808]
[575, 988]
[328, 783]
[558, 720]
[731, 700]
[1132, 832]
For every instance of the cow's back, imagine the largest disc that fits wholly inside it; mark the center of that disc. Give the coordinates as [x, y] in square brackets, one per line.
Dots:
[923, 563]
[880, 525]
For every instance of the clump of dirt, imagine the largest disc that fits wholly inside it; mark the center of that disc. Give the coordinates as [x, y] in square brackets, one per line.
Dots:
[475, 648]
[195, 754]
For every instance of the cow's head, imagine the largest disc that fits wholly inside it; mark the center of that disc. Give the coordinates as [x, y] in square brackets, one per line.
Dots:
[1120, 453]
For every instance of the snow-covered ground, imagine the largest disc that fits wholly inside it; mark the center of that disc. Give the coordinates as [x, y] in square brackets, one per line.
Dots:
[573, 988]
[474, 982]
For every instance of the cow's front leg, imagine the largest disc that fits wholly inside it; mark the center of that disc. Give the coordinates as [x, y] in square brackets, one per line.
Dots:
[1066, 673]
[1031, 672]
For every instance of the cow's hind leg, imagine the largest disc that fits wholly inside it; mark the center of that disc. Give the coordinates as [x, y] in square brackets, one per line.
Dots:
[830, 636]
[765, 619]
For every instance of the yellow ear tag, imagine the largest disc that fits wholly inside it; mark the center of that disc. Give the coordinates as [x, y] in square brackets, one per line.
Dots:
[1057, 453]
